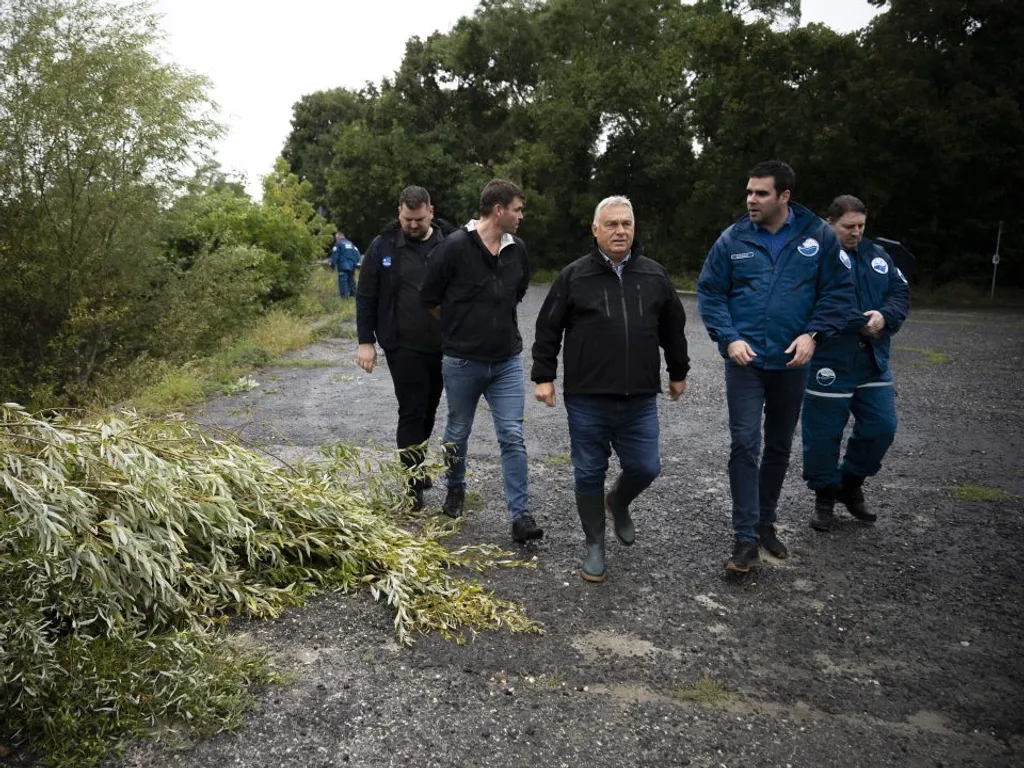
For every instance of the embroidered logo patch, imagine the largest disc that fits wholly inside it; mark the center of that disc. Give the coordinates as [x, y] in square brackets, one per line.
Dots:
[741, 256]
[845, 259]
[826, 377]
[386, 261]
[808, 247]
[880, 265]
[900, 275]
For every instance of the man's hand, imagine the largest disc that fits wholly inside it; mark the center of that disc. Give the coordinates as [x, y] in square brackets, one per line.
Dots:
[676, 389]
[876, 322]
[741, 353]
[367, 357]
[545, 393]
[802, 350]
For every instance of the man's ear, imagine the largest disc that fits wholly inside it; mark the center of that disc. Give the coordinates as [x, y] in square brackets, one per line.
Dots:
[785, 196]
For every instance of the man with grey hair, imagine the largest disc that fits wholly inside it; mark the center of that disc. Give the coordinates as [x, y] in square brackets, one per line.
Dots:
[613, 307]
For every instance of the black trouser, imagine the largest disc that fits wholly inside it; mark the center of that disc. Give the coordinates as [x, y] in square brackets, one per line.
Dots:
[418, 384]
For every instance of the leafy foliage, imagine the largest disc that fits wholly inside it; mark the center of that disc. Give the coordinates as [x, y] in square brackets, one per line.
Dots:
[124, 539]
[671, 103]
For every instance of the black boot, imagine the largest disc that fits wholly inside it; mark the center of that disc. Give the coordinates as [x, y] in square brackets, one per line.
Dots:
[745, 555]
[769, 539]
[590, 507]
[454, 501]
[617, 503]
[824, 502]
[525, 528]
[416, 494]
[852, 495]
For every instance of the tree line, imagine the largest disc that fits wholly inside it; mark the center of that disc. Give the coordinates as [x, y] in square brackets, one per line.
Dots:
[670, 103]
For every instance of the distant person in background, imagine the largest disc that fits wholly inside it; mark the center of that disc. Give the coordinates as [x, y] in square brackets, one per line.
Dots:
[850, 375]
[345, 259]
[390, 312]
[772, 288]
[615, 307]
[475, 281]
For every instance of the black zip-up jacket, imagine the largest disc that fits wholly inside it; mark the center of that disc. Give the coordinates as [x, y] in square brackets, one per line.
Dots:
[380, 279]
[478, 294]
[612, 326]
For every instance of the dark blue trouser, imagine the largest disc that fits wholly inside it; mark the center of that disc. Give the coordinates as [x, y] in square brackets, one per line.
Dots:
[755, 479]
[599, 423]
[346, 283]
[831, 397]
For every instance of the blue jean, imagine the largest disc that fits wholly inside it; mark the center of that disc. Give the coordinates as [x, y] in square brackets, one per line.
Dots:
[756, 480]
[346, 283]
[503, 386]
[600, 423]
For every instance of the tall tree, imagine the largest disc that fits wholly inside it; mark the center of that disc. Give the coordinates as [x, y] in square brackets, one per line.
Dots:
[94, 132]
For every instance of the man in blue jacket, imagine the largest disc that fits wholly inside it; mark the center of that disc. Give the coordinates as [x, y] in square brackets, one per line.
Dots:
[345, 259]
[772, 287]
[850, 374]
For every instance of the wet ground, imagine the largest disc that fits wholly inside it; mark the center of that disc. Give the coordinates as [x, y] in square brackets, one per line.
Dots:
[893, 645]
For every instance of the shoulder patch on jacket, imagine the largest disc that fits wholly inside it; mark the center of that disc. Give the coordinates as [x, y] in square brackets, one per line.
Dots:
[808, 247]
[741, 256]
[880, 265]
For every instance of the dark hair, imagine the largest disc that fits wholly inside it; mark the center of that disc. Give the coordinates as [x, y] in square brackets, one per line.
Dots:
[413, 197]
[339, 232]
[498, 192]
[845, 204]
[783, 176]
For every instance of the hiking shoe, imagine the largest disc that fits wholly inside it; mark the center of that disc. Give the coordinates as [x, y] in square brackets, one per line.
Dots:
[453, 502]
[824, 503]
[524, 528]
[769, 540]
[745, 556]
[851, 495]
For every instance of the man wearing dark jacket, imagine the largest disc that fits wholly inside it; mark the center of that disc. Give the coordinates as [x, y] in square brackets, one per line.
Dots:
[614, 307]
[771, 289]
[389, 311]
[850, 374]
[476, 279]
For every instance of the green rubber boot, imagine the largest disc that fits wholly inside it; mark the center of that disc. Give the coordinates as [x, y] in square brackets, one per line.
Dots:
[591, 511]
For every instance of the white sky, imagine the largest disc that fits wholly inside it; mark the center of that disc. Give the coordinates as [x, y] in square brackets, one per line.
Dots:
[262, 57]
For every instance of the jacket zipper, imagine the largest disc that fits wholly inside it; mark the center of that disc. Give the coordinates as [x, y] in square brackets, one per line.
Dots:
[625, 325]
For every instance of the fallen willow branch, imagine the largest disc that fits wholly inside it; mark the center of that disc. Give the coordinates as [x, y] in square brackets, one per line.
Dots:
[125, 543]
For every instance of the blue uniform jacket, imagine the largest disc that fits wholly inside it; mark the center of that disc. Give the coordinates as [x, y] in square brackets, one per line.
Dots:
[880, 285]
[741, 294]
[344, 256]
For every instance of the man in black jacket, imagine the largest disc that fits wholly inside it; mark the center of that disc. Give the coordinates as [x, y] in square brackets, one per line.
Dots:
[389, 311]
[615, 307]
[476, 279]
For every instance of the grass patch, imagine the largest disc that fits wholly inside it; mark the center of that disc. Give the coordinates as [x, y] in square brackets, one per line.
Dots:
[301, 362]
[473, 500]
[968, 492]
[556, 458]
[706, 692]
[546, 682]
[686, 281]
[967, 295]
[929, 356]
[175, 390]
[278, 332]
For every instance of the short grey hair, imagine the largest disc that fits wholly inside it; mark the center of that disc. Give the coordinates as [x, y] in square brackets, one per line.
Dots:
[609, 201]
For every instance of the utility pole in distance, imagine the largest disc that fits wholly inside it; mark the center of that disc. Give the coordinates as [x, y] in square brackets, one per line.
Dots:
[995, 262]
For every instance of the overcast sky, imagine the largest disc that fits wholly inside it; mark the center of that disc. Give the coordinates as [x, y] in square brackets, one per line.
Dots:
[263, 57]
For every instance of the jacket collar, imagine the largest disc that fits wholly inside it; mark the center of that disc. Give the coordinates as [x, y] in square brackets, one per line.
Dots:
[506, 238]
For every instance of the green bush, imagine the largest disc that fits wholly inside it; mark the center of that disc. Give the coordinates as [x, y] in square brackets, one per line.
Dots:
[125, 543]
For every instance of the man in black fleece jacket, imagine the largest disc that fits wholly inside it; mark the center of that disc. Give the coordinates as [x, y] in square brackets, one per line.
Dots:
[389, 311]
[476, 279]
[615, 307]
